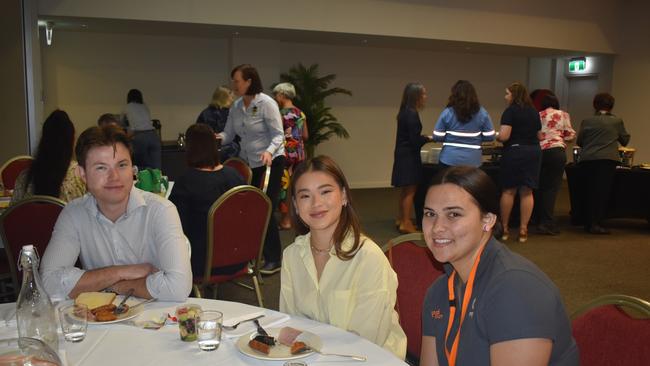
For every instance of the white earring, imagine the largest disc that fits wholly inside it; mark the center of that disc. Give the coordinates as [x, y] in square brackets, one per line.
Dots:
[485, 228]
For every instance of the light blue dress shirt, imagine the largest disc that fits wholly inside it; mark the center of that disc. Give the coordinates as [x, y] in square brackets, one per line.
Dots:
[148, 232]
[259, 126]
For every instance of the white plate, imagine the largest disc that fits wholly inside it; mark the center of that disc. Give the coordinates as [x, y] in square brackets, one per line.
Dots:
[132, 313]
[279, 351]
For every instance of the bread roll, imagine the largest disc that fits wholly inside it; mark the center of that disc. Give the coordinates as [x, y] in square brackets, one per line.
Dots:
[94, 300]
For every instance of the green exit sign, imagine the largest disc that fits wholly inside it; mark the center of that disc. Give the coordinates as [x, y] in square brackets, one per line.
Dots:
[577, 64]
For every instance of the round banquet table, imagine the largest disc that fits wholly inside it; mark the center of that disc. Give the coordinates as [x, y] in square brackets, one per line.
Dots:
[125, 343]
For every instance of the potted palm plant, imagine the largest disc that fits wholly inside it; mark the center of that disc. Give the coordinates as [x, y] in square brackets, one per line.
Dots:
[311, 91]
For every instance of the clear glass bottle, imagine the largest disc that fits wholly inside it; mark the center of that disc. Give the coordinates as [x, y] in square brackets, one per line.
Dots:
[34, 310]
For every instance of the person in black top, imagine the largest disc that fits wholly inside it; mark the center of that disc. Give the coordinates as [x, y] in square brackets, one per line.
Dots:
[521, 159]
[216, 115]
[407, 166]
[198, 189]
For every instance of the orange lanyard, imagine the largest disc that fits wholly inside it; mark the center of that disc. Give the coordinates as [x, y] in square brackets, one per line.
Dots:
[451, 355]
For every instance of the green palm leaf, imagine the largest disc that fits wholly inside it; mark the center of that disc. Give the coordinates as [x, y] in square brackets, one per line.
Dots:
[311, 92]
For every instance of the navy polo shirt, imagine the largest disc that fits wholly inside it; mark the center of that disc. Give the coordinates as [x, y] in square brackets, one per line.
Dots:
[512, 299]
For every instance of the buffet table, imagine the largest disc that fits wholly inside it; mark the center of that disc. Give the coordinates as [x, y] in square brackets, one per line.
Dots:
[126, 344]
[173, 160]
[628, 198]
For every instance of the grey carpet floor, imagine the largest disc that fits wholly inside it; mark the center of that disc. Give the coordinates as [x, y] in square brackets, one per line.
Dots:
[583, 266]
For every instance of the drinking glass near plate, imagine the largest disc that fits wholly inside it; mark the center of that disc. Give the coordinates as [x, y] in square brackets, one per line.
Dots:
[209, 329]
[74, 322]
[202, 325]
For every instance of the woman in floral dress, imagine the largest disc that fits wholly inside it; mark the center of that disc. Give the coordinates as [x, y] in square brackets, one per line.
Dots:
[556, 131]
[295, 133]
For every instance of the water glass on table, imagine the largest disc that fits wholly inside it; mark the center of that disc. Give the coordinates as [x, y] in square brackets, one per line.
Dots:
[74, 322]
[209, 329]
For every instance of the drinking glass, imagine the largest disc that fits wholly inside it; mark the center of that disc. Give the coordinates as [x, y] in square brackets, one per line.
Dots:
[209, 329]
[74, 322]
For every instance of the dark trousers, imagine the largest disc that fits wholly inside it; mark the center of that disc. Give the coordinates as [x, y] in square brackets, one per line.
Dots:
[272, 245]
[550, 180]
[596, 177]
[147, 151]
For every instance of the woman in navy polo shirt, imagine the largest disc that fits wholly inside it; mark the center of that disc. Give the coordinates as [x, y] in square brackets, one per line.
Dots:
[493, 307]
[521, 159]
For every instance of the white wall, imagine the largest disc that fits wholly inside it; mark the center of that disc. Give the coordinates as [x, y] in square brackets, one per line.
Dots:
[13, 111]
[555, 24]
[88, 74]
[632, 75]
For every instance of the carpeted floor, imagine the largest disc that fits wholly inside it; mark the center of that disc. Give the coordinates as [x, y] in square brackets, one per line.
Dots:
[583, 266]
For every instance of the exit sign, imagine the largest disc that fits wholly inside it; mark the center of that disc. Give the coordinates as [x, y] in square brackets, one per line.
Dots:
[577, 64]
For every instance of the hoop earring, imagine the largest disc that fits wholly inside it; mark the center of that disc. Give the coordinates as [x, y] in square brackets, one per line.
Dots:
[485, 228]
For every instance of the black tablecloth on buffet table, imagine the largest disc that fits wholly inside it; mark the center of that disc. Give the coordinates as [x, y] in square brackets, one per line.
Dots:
[629, 197]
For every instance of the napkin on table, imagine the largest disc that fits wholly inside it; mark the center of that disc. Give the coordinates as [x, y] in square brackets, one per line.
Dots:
[267, 321]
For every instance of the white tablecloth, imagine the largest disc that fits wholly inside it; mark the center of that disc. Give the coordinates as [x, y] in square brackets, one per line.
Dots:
[117, 344]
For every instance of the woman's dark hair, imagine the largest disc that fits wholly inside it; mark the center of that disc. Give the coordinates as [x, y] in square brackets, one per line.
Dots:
[108, 118]
[537, 96]
[475, 182]
[107, 135]
[550, 101]
[134, 96]
[202, 149]
[50, 166]
[411, 96]
[463, 100]
[520, 95]
[349, 221]
[248, 72]
[604, 102]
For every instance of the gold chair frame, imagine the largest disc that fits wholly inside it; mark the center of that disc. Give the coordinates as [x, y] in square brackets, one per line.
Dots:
[244, 164]
[638, 305]
[8, 162]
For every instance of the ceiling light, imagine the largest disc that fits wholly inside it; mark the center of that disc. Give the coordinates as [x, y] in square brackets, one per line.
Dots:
[49, 32]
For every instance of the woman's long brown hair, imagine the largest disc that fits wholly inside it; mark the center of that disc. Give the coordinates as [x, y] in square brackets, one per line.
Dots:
[349, 221]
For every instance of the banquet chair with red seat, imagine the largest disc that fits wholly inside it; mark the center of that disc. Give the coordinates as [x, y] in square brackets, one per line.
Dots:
[12, 168]
[613, 330]
[30, 221]
[237, 223]
[242, 168]
[416, 270]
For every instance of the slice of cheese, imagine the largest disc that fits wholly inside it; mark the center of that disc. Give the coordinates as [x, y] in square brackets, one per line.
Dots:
[94, 300]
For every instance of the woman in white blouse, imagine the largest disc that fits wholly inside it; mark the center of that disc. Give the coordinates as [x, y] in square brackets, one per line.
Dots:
[255, 117]
[332, 273]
